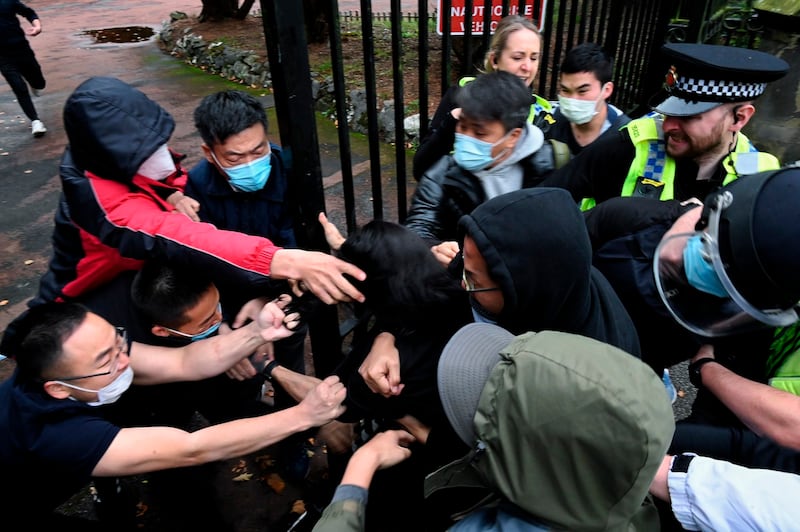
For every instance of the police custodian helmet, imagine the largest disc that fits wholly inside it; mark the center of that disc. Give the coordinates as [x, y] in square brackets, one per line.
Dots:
[750, 233]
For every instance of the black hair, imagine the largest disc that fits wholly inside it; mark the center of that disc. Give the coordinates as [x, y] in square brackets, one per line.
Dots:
[40, 333]
[227, 113]
[496, 96]
[163, 293]
[405, 285]
[589, 57]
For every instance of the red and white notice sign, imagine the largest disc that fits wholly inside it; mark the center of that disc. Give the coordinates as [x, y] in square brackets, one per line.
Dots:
[458, 15]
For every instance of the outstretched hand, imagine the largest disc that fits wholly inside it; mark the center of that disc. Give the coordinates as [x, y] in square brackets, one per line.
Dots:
[389, 447]
[324, 402]
[383, 450]
[332, 233]
[321, 273]
[381, 368]
[273, 322]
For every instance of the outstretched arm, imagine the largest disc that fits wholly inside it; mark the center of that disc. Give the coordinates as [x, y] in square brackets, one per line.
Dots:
[709, 494]
[212, 356]
[145, 449]
[347, 509]
[767, 411]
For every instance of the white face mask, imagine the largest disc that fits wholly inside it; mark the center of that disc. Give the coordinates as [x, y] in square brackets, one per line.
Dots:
[158, 166]
[108, 393]
[579, 111]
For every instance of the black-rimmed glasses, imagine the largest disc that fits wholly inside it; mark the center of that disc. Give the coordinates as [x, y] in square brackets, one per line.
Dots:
[120, 347]
[469, 287]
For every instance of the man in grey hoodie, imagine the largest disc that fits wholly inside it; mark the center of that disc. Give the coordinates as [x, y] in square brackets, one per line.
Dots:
[496, 151]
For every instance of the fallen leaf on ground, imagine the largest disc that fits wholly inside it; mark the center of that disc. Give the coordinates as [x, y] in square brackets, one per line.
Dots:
[3, 303]
[243, 477]
[27, 171]
[275, 482]
[28, 262]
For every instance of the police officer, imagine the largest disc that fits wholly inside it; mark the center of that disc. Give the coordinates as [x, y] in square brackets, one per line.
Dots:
[692, 143]
[717, 284]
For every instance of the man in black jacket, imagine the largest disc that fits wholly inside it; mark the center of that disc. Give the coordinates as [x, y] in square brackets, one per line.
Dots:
[17, 61]
[495, 152]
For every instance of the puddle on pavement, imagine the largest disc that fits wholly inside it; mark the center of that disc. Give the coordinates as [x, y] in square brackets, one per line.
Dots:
[125, 35]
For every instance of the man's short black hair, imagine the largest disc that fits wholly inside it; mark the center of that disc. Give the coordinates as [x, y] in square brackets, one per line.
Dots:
[589, 57]
[163, 293]
[495, 96]
[40, 335]
[227, 113]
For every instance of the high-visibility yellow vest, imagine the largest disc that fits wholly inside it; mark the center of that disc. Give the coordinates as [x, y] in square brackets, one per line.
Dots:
[539, 106]
[652, 171]
[783, 364]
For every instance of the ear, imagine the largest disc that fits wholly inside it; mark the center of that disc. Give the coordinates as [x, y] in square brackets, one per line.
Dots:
[493, 59]
[608, 90]
[158, 330]
[513, 137]
[207, 153]
[57, 390]
[742, 114]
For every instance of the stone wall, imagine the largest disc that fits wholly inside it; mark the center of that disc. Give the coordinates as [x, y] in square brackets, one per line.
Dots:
[244, 66]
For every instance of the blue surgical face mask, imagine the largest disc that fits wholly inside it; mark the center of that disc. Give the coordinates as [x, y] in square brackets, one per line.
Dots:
[472, 154]
[201, 335]
[699, 271]
[250, 176]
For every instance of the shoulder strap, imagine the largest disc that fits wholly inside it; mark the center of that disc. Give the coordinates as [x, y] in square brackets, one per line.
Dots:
[561, 154]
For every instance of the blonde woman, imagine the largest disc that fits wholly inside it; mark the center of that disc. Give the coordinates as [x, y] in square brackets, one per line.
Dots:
[515, 48]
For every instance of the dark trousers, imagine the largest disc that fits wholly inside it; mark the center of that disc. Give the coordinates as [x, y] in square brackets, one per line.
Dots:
[19, 65]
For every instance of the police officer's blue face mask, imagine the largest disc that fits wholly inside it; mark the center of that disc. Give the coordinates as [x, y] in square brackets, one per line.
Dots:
[699, 270]
[250, 176]
[472, 154]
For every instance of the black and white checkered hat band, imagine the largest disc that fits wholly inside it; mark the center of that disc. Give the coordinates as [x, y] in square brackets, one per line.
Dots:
[714, 89]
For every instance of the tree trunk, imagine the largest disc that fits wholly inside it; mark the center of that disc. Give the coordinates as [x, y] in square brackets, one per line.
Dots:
[218, 10]
[244, 9]
[317, 17]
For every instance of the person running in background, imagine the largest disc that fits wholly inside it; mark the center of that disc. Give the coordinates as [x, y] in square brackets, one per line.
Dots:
[18, 63]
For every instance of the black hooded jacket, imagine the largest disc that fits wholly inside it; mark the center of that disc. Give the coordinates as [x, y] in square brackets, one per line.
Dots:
[110, 218]
[537, 249]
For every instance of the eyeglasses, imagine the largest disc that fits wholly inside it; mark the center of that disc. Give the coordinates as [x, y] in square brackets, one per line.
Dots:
[469, 287]
[120, 346]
